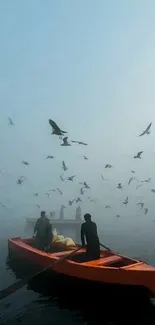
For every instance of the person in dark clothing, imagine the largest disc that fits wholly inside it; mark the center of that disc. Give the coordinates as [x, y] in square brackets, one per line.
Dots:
[89, 232]
[41, 231]
[49, 236]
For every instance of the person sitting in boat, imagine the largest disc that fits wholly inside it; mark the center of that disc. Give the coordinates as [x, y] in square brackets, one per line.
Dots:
[41, 230]
[89, 232]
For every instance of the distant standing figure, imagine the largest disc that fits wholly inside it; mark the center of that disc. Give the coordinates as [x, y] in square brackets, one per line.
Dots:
[89, 232]
[78, 213]
[62, 213]
[41, 230]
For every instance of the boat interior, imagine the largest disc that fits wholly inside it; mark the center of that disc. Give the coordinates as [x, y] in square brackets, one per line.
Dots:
[107, 258]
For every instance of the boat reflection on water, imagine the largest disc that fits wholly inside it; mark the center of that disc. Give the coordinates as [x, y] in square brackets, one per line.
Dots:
[93, 304]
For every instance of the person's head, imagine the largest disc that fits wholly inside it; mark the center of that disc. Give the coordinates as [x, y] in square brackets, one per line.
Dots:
[43, 214]
[87, 217]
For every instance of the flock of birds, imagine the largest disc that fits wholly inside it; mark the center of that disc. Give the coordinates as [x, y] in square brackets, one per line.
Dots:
[61, 134]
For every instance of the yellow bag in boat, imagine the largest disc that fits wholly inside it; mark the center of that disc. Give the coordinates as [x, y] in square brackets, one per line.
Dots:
[61, 241]
[55, 236]
[59, 238]
[69, 242]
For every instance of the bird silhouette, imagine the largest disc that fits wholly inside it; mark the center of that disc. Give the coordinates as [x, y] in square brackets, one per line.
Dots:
[108, 166]
[120, 186]
[62, 179]
[20, 180]
[146, 131]
[146, 211]
[49, 157]
[55, 128]
[153, 190]
[140, 185]
[147, 180]
[59, 191]
[85, 158]
[64, 166]
[79, 142]
[130, 180]
[117, 216]
[126, 201]
[35, 194]
[70, 202]
[138, 155]
[10, 121]
[70, 178]
[78, 200]
[81, 191]
[133, 171]
[104, 179]
[48, 195]
[65, 142]
[141, 204]
[26, 163]
[86, 185]
[107, 207]
[92, 200]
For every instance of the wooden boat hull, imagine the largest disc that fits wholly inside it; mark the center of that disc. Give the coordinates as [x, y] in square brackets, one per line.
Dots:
[111, 269]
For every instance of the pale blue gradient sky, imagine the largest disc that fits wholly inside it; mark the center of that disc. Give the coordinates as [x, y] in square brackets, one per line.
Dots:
[89, 66]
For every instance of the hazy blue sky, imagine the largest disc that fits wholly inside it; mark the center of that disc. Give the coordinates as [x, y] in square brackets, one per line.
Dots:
[89, 66]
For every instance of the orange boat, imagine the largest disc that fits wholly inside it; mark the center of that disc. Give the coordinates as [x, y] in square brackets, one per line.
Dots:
[111, 269]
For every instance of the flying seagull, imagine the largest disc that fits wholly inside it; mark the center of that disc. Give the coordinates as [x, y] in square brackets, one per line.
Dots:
[92, 200]
[55, 129]
[104, 179]
[146, 211]
[52, 190]
[48, 194]
[120, 186]
[49, 157]
[117, 216]
[35, 194]
[133, 171]
[146, 131]
[38, 206]
[147, 180]
[63, 206]
[108, 166]
[153, 190]
[126, 201]
[64, 166]
[85, 158]
[107, 207]
[138, 186]
[78, 200]
[130, 180]
[70, 178]
[81, 191]
[79, 142]
[26, 163]
[10, 121]
[70, 202]
[138, 155]
[65, 142]
[62, 179]
[86, 185]
[141, 204]
[59, 191]
[20, 180]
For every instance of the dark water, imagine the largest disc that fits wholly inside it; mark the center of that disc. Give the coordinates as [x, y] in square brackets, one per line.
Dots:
[52, 300]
